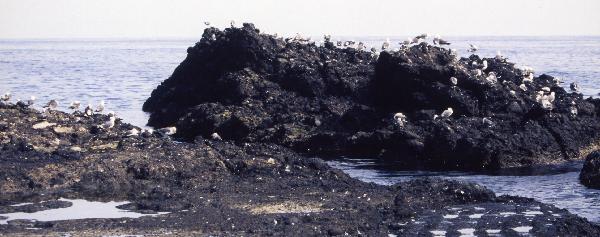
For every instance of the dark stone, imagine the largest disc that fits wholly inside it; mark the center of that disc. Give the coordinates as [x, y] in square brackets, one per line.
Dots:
[590, 174]
[326, 100]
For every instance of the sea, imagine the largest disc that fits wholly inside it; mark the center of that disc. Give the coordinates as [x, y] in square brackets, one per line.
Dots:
[123, 73]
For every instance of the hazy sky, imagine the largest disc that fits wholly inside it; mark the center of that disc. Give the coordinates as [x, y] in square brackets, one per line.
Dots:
[184, 18]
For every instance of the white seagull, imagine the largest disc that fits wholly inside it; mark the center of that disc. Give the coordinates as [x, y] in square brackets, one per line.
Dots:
[447, 113]
[215, 136]
[454, 81]
[100, 107]
[400, 119]
[74, 105]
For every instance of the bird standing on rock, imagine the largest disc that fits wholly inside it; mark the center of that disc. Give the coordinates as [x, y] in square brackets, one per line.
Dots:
[100, 107]
[472, 48]
[206, 23]
[453, 81]
[215, 136]
[385, 44]
[74, 105]
[574, 86]
[168, 131]
[52, 104]
[447, 113]
[88, 111]
[400, 119]
[5, 97]
[110, 123]
[31, 100]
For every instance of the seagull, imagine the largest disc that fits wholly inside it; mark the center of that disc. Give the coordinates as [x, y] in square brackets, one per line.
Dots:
[447, 113]
[327, 38]
[167, 131]
[546, 89]
[406, 42]
[528, 78]
[472, 48]
[492, 77]
[100, 107]
[523, 87]
[361, 46]
[385, 44]
[110, 123]
[232, 23]
[574, 86]
[478, 72]
[31, 100]
[215, 136]
[133, 132]
[422, 36]
[454, 81]
[206, 23]
[487, 121]
[442, 41]
[51, 105]
[5, 97]
[499, 55]
[485, 65]
[75, 105]
[415, 40]
[400, 119]
[513, 92]
[88, 110]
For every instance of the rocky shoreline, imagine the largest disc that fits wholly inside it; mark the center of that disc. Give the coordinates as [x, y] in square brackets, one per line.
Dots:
[249, 113]
[219, 188]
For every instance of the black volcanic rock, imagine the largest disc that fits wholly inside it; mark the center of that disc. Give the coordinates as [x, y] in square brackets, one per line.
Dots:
[326, 100]
[590, 174]
[220, 188]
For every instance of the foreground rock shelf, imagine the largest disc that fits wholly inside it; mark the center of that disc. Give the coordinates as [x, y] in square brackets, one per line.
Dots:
[328, 100]
[220, 188]
[590, 174]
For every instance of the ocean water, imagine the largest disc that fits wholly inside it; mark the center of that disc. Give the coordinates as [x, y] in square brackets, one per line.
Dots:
[124, 73]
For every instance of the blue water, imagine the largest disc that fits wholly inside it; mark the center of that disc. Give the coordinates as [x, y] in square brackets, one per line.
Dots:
[124, 72]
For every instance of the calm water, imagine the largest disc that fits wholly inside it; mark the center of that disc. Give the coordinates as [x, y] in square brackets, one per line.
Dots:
[124, 72]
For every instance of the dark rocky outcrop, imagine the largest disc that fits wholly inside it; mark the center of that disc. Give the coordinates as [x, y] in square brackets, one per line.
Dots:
[590, 174]
[219, 188]
[253, 87]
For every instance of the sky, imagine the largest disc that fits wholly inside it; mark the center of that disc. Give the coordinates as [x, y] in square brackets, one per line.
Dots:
[184, 18]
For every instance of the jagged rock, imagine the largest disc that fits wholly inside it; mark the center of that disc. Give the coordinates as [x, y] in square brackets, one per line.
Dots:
[252, 87]
[590, 174]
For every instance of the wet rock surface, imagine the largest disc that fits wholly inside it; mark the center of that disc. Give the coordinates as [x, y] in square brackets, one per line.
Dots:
[590, 173]
[220, 188]
[325, 100]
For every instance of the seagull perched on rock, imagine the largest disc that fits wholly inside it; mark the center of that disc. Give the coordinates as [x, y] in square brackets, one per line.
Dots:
[88, 110]
[438, 40]
[453, 81]
[215, 136]
[5, 97]
[406, 42]
[167, 131]
[133, 132]
[523, 87]
[499, 55]
[422, 36]
[206, 23]
[447, 113]
[492, 77]
[385, 44]
[100, 107]
[31, 100]
[472, 48]
[327, 38]
[574, 86]
[400, 119]
[232, 24]
[52, 104]
[361, 46]
[485, 65]
[110, 123]
[74, 105]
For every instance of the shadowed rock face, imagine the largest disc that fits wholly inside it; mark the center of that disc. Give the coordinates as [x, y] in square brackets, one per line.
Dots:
[325, 100]
[590, 174]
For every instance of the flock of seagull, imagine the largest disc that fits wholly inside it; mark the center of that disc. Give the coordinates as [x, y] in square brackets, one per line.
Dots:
[89, 111]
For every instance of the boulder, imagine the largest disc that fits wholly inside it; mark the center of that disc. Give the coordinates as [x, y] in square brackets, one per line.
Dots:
[340, 101]
[590, 174]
